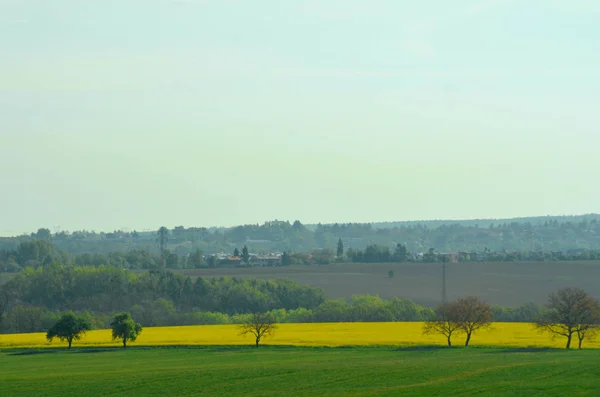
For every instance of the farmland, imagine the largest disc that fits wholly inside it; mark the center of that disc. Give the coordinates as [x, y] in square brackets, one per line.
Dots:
[504, 283]
[519, 335]
[287, 371]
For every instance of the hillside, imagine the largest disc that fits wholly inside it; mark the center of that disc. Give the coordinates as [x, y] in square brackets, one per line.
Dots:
[520, 234]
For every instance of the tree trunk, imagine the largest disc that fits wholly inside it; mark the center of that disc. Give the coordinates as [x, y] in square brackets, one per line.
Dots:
[124, 343]
[468, 339]
[449, 342]
[257, 342]
[70, 341]
[580, 341]
[569, 340]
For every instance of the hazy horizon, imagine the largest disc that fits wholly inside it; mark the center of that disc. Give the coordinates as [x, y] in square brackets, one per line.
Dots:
[132, 115]
[57, 229]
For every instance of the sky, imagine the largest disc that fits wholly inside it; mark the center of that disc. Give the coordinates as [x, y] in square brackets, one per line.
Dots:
[131, 114]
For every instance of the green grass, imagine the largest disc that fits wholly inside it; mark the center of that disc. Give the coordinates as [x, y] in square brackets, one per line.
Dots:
[283, 371]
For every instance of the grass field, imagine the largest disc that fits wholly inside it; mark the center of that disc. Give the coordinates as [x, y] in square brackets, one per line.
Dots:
[328, 334]
[289, 371]
[505, 284]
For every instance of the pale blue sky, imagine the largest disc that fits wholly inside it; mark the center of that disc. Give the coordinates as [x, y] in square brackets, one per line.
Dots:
[134, 114]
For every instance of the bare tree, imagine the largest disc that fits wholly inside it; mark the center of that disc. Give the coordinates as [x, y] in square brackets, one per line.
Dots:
[472, 314]
[444, 323]
[571, 311]
[259, 325]
[589, 330]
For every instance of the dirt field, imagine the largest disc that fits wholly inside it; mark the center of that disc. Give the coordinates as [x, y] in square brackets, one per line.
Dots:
[507, 284]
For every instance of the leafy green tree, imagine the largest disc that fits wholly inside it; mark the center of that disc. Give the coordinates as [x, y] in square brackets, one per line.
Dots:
[236, 252]
[161, 240]
[245, 254]
[43, 234]
[69, 328]
[376, 253]
[171, 259]
[25, 318]
[124, 328]
[430, 256]
[400, 253]
[213, 261]
[196, 260]
[340, 248]
[322, 256]
[37, 251]
[187, 293]
[286, 259]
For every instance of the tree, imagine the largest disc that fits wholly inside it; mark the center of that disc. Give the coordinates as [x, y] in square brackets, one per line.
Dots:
[259, 325]
[472, 314]
[171, 259]
[5, 299]
[586, 329]
[196, 260]
[42, 234]
[124, 328]
[445, 322]
[245, 254]
[571, 311]
[286, 259]
[213, 261]
[25, 318]
[340, 248]
[429, 256]
[400, 253]
[376, 253]
[69, 328]
[161, 239]
[236, 252]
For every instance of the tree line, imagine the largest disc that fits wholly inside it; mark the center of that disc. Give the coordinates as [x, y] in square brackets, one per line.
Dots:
[570, 313]
[35, 298]
[548, 235]
[39, 253]
[70, 287]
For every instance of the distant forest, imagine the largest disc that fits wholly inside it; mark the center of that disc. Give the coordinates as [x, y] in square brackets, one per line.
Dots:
[536, 234]
[35, 299]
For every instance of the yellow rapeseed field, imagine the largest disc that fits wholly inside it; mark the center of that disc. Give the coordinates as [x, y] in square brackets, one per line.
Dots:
[326, 334]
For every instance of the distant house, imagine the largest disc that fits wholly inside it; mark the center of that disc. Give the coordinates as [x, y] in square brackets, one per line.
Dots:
[265, 260]
[230, 261]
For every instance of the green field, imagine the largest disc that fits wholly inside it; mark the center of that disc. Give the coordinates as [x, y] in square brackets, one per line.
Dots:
[287, 371]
